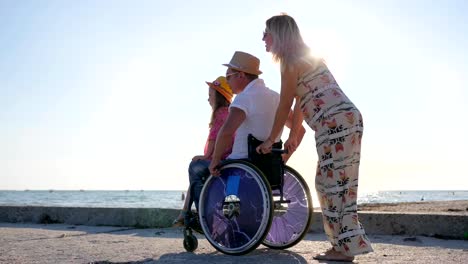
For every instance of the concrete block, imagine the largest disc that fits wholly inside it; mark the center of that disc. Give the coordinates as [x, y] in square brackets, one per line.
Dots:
[451, 226]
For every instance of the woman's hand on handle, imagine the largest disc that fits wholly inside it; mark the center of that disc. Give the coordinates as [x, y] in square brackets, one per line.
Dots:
[291, 145]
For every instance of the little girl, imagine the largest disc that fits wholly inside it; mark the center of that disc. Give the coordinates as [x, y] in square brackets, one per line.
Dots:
[219, 98]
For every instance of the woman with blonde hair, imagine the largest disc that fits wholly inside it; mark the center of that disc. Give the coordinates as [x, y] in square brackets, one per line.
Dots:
[338, 128]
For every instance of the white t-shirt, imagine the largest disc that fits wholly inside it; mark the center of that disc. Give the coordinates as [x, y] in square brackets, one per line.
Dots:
[259, 104]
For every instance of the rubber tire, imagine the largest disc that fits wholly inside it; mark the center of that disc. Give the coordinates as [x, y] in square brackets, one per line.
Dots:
[306, 190]
[190, 243]
[267, 223]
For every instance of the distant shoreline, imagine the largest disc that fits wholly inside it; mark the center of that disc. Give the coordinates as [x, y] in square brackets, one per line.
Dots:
[454, 206]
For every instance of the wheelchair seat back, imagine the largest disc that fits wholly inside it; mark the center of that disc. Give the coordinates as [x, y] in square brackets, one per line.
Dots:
[270, 164]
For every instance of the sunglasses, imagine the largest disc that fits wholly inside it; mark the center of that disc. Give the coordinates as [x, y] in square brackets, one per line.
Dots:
[228, 76]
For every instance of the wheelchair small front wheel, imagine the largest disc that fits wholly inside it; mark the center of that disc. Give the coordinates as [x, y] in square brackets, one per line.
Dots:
[190, 243]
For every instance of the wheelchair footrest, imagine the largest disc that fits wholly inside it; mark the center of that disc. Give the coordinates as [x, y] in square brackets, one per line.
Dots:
[192, 221]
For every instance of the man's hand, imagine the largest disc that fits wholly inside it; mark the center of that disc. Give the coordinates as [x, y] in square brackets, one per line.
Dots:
[214, 171]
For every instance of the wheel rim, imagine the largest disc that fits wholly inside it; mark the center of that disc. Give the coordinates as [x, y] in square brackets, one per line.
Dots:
[242, 233]
[288, 227]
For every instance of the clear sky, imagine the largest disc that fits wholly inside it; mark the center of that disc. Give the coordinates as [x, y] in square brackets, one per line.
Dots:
[111, 95]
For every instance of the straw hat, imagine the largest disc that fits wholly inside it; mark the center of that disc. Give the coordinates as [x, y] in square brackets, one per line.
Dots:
[244, 62]
[221, 85]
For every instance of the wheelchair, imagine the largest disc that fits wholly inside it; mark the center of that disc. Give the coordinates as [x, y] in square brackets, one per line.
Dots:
[256, 201]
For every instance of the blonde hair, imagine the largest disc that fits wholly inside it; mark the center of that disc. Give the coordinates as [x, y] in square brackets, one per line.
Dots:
[288, 46]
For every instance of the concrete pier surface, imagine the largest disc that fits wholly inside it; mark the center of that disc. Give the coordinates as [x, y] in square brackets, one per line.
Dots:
[35, 234]
[65, 243]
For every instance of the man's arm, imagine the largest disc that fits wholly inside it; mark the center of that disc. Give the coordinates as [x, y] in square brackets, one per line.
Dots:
[235, 119]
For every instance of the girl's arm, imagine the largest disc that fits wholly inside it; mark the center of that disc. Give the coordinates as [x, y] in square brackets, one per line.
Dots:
[220, 117]
[209, 149]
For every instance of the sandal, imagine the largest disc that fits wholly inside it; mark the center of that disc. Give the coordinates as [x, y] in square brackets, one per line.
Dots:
[178, 222]
[333, 255]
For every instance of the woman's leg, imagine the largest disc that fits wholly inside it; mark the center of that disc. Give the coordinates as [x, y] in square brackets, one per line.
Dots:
[336, 183]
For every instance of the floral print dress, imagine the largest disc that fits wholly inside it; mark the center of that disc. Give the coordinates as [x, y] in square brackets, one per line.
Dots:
[338, 130]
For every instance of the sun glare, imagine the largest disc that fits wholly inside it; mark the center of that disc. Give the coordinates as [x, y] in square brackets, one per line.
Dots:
[329, 46]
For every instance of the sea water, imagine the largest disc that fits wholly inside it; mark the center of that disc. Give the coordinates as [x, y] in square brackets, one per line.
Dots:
[174, 199]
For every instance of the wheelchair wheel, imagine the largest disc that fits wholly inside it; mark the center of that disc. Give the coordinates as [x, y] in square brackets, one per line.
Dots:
[291, 220]
[236, 208]
[190, 243]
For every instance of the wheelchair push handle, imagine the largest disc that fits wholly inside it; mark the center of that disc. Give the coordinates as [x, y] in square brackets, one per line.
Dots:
[280, 151]
[253, 143]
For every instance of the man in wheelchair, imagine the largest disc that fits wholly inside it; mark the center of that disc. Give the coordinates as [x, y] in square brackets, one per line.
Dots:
[251, 116]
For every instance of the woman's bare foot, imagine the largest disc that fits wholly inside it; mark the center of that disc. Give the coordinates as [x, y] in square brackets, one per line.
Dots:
[333, 255]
